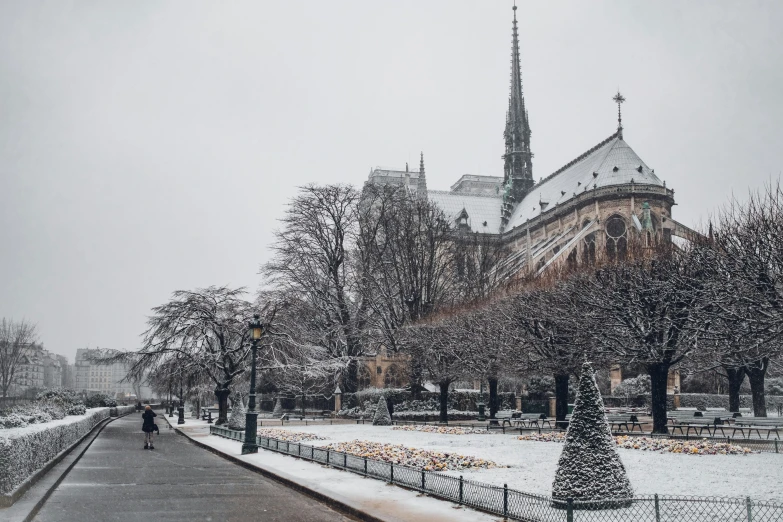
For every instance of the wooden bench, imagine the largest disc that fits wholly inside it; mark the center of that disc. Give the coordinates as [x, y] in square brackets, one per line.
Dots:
[528, 420]
[699, 424]
[502, 418]
[624, 420]
[757, 424]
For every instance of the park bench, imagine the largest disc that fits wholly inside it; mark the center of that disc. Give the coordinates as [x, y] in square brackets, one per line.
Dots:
[528, 420]
[502, 418]
[757, 424]
[625, 420]
[699, 424]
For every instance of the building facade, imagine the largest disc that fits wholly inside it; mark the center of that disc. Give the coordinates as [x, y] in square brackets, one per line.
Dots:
[592, 206]
[100, 378]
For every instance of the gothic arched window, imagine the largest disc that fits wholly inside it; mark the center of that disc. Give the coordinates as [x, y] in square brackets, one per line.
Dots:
[363, 377]
[588, 249]
[393, 377]
[616, 238]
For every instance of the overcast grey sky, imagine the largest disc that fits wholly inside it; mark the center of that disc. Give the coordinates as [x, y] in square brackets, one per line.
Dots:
[150, 146]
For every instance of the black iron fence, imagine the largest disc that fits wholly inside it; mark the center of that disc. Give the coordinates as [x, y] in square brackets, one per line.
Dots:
[518, 505]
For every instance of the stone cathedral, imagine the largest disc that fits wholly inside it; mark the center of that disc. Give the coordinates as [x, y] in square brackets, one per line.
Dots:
[590, 206]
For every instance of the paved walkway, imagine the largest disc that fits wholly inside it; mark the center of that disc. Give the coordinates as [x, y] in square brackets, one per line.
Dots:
[117, 479]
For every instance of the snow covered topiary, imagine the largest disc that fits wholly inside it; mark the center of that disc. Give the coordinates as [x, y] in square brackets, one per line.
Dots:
[589, 467]
[236, 420]
[278, 411]
[382, 417]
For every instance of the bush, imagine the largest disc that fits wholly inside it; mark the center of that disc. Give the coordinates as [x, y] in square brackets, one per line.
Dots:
[100, 400]
[58, 395]
[13, 420]
[76, 409]
[641, 385]
[25, 451]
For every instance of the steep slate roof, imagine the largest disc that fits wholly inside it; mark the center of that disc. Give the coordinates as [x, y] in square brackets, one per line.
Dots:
[479, 209]
[577, 176]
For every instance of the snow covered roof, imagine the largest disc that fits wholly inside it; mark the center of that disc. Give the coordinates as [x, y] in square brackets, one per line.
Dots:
[480, 209]
[611, 162]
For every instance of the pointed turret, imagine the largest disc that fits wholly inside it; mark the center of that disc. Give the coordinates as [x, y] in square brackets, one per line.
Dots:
[421, 188]
[518, 159]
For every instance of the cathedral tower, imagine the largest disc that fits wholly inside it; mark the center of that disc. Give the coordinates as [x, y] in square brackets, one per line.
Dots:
[518, 159]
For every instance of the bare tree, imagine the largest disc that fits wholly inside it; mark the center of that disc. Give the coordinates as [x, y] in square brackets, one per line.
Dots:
[749, 239]
[313, 262]
[198, 332]
[16, 340]
[648, 313]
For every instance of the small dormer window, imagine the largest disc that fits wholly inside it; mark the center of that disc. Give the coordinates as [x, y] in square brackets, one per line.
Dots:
[639, 168]
[615, 169]
[595, 174]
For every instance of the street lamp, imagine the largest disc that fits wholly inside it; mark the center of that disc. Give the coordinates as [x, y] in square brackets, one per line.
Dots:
[181, 409]
[168, 405]
[251, 416]
[480, 403]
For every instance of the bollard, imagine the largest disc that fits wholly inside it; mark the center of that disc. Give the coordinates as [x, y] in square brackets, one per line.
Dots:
[345, 460]
[422, 480]
[365, 466]
[776, 445]
[328, 452]
[391, 473]
[460, 490]
[505, 500]
[299, 451]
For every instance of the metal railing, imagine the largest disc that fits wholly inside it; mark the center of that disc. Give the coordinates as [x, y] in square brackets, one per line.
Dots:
[529, 507]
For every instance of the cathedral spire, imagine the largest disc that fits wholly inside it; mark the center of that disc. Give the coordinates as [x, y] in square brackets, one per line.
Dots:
[518, 164]
[619, 99]
[421, 188]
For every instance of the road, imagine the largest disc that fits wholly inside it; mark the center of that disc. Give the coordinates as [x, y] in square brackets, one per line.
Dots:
[116, 479]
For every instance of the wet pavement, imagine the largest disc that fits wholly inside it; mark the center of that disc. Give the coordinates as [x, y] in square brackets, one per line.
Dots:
[117, 479]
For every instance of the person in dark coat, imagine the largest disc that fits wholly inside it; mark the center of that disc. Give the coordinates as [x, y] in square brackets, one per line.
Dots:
[149, 426]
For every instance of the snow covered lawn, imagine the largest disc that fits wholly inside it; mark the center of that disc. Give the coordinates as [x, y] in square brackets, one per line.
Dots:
[531, 465]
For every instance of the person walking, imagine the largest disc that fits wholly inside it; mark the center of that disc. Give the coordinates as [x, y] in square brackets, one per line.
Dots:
[149, 426]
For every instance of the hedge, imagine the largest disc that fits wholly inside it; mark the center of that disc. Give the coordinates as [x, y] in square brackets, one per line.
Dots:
[702, 401]
[23, 451]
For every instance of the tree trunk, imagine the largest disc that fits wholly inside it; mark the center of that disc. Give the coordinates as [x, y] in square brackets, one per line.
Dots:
[561, 397]
[222, 397]
[493, 396]
[756, 375]
[304, 409]
[444, 401]
[735, 376]
[659, 376]
[351, 377]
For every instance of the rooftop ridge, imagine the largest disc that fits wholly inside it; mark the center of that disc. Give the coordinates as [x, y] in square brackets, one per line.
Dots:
[465, 194]
[578, 159]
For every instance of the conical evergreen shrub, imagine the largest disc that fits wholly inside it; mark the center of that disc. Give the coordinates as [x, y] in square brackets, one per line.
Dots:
[278, 411]
[589, 467]
[382, 417]
[236, 420]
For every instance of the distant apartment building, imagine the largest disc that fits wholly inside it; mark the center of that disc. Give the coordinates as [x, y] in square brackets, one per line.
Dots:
[104, 378]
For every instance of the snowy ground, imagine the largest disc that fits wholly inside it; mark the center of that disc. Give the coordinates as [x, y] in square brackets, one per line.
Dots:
[532, 464]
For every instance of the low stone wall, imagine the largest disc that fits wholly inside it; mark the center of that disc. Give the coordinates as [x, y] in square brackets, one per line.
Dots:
[23, 451]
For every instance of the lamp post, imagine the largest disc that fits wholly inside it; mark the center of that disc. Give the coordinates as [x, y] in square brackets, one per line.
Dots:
[480, 403]
[181, 409]
[251, 416]
[169, 406]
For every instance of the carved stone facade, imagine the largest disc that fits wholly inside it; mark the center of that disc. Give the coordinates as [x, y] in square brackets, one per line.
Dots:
[383, 371]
